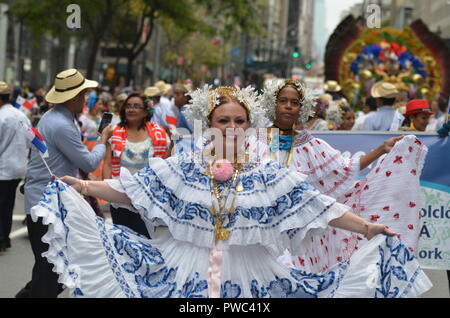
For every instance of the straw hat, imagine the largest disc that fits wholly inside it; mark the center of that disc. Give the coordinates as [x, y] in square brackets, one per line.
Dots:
[5, 89]
[384, 90]
[121, 97]
[68, 84]
[332, 86]
[161, 85]
[167, 88]
[152, 91]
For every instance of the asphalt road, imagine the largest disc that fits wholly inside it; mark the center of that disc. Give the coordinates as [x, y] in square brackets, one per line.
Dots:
[17, 263]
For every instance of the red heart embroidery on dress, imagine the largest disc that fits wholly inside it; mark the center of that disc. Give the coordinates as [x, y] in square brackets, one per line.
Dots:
[396, 215]
[410, 226]
[414, 172]
[386, 208]
[412, 204]
[388, 173]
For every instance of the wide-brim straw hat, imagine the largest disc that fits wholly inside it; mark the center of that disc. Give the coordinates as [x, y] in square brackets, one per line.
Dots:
[5, 89]
[121, 97]
[332, 86]
[68, 84]
[384, 90]
[152, 91]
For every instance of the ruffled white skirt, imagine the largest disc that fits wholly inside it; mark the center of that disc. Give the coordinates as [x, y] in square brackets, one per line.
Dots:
[95, 258]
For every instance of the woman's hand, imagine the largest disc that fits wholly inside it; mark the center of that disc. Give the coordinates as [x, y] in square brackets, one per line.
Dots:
[374, 229]
[389, 144]
[74, 182]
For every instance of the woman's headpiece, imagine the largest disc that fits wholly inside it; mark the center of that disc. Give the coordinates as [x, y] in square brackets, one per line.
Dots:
[335, 112]
[272, 90]
[205, 100]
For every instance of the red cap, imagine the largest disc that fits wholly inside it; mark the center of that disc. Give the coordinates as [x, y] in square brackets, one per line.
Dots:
[416, 106]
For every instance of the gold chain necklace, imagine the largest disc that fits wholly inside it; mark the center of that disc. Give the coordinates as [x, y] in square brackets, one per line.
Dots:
[219, 232]
[288, 160]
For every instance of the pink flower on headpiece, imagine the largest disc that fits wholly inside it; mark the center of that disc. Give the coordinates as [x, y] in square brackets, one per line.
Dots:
[222, 170]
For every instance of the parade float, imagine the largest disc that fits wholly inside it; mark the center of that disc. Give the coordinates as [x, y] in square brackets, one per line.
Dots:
[415, 60]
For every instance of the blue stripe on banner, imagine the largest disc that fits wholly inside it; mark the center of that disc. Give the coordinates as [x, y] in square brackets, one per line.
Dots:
[39, 145]
[435, 186]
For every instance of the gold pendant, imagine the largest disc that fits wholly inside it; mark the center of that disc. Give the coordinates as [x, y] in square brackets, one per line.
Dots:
[239, 187]
[213, 211]
[233, 209]
[222, 234]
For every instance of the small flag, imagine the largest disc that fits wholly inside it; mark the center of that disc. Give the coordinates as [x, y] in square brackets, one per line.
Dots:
[33, 135]
[24, 104]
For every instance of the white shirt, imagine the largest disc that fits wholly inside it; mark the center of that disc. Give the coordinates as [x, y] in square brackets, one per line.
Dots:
[14, 147]
[385, 119]
[359, 123]
[162, 111]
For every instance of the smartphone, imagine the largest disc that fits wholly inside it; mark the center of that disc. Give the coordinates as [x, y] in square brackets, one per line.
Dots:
[106, 120]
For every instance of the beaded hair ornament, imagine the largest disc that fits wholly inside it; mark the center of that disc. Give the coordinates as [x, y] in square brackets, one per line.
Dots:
[272, 90]
[205, 100]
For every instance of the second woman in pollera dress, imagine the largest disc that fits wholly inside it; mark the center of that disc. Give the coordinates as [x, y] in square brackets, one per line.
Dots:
[388, 194]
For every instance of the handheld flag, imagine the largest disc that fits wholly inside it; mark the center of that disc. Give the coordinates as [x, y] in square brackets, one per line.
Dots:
[24, 104]
[33, 135]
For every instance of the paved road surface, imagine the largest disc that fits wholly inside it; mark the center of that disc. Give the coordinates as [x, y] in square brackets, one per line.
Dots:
[16, 264]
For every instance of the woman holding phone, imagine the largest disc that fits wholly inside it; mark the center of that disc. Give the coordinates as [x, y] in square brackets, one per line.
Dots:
[134, 140]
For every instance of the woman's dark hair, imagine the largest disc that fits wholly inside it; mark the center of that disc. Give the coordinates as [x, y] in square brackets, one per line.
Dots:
[5, 98]
[123, 119]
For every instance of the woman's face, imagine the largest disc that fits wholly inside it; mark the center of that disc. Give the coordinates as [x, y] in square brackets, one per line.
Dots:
[135, 111]
[98, 107]
[288, 108]
[420, 121]
[348, 120]
[229, 116]
[231, 120]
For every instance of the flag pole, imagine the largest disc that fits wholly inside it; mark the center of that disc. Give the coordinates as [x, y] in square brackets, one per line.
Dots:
[42, 157]
[48, 168]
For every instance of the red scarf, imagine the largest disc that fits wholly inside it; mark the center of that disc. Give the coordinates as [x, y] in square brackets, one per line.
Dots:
[119, 137]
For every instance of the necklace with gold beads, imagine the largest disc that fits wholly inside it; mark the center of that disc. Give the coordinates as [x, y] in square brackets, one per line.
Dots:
[220, 233]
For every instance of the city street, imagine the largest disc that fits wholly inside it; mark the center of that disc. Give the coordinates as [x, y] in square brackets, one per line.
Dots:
[16, 264]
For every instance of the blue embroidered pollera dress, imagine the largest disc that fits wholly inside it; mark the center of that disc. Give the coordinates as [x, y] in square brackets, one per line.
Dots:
[275, 211]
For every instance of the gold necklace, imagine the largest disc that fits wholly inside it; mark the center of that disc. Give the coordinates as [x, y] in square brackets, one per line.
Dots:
[288, 160]
[219, 232]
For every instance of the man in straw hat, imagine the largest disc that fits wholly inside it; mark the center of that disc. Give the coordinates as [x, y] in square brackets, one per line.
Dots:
[386, 118]
[334, 89]
[13, 160]
[164, 112]
[67, 155]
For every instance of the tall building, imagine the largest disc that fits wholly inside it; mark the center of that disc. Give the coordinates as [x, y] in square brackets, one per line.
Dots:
[320, 32]
[435, 14]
